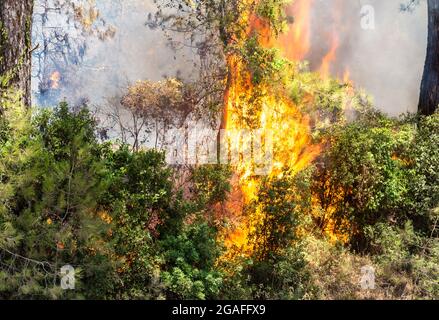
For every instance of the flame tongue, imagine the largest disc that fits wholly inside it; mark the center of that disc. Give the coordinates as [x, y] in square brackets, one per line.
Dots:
[295, 42]
[268, 108]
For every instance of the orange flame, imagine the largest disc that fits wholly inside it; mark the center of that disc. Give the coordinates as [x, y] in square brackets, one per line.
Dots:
[262, 106]
[55, 79]
[296, 42]
[331, 55]
[329, 58]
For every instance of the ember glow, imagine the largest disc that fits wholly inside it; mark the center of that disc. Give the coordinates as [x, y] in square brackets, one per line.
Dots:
[329, 58]
[55, 79]
[347, 76]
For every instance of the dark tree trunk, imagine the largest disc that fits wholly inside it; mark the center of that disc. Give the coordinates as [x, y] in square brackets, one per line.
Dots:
[429, 99]
[15, 44]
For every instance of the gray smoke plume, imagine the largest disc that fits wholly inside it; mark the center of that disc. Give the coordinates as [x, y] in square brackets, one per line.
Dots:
[109, 66]
[387, 62]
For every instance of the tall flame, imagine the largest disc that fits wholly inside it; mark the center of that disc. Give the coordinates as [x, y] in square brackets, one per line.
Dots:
[330, 57]
[269, 109]
[347, 76]
[263, 106]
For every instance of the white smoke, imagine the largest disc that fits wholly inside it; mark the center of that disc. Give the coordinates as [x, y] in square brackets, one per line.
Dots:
[134, 53]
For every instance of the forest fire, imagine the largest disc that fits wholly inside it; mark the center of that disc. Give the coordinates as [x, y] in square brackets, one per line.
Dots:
[347, 76]
[118, 182]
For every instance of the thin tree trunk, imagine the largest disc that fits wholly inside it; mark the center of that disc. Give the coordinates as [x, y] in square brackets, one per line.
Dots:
[429, 99]
[15, 44]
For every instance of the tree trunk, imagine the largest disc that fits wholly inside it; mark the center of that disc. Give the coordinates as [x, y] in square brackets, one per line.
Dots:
[429, 99]
[15, 44]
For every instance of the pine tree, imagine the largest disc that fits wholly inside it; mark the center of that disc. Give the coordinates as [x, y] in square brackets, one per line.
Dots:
[50, 217]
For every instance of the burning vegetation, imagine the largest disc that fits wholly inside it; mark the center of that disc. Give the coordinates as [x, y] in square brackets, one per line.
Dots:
[259, 98]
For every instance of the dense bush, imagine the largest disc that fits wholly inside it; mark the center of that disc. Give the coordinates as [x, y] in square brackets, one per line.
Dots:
[52, 176]
[377, 169]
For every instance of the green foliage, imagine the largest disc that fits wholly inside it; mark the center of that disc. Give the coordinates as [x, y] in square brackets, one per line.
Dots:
[407, 261]
[190, 258]
[112, 214]
[167, 248]
[278, 205]
[363, 177]
[189, 238]
[424, 163]
[284, 277]
[273, 11]
[265, 65]
[139, 193]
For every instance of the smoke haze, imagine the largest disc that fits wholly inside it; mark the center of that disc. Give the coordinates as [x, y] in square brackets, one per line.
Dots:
[386, 62]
